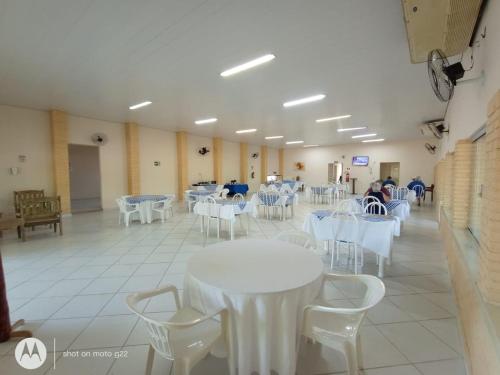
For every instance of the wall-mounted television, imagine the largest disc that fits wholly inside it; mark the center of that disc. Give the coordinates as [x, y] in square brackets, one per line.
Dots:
[361, 161]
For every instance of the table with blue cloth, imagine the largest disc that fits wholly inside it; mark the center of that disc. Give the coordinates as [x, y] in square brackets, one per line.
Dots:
[236, 188]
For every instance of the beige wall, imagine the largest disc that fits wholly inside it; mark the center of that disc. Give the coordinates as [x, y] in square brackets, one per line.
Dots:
[230, 161]
[200, 167]
[414, 159]
[273, 161]
[112, 154]
[157, 145]
[24, 132]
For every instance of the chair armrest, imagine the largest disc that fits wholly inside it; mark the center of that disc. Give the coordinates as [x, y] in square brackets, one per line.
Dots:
[166, 202]
[210, 315]
[139, 296]
[135, 205]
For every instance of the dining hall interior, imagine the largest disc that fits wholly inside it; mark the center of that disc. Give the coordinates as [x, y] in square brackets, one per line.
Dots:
[216, 187]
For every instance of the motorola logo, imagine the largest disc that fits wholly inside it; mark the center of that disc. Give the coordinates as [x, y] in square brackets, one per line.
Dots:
[30, 353]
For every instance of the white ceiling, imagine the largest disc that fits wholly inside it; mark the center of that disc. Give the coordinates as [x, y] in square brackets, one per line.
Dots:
[95, 58]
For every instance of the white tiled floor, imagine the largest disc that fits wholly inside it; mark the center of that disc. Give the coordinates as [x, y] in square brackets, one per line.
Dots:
[74, 287]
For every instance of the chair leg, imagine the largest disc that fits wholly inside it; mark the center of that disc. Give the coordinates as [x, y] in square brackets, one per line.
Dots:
[351, 355]
[126, 218]
[55, 227]
[60, 228]
[149, 363]
[355, 259]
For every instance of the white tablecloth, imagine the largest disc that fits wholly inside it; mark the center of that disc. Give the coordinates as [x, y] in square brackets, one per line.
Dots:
[375, 233]
[399, 208]
[145, 204]
[265, 284]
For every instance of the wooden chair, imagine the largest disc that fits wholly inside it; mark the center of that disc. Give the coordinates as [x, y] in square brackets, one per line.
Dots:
[42, 211]
[23, 195]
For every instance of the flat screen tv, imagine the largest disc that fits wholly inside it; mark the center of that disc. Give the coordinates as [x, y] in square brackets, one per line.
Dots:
[361, 161]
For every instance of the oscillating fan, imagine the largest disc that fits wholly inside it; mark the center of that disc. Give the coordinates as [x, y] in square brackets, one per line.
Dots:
[430, 148]
[442, 75]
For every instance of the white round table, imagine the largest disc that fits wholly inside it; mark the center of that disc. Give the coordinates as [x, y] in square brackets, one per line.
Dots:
[265, 284]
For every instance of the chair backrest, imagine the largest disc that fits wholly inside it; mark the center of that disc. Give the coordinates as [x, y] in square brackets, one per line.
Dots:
[159, 332]
[269, 198]
[263, 188]
[348, 319]
[224, 193]
[296, 237]
[375, 208]
[213, 209]
[285, 189]
[389, 186]
[401, 193]
[46, 207]
[272, 187]
[347, 226]
[419, 190]
[347, 205]
[368, 199]
[22, 195]
[238, 197]
[219, 188]
[121, 204]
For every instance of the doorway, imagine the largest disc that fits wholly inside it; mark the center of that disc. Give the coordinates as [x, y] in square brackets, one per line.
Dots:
[334, 172]
[84, 178]
[390, 169]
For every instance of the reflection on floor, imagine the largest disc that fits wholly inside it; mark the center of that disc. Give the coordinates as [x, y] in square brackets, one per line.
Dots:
[73, 288]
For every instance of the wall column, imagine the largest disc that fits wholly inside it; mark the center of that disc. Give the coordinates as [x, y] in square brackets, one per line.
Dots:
[489, 257]
[461, 185]
[243, 163]
[264, 161]
[217, 152]
[182, 164]
[132, 147]
[60, 157]
[281, 161]
[445, 193]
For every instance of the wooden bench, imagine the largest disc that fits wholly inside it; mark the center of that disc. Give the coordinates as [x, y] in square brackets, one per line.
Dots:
[42, 211]
[25, 195]
[13, 223]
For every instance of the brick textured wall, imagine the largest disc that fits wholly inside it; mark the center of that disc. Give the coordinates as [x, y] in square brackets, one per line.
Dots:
[59, 133]
[489, 280]
[132, 147]
[461, 183]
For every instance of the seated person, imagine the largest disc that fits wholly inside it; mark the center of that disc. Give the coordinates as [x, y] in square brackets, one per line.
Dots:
[382, 189]
[417, 181]
[389, 181]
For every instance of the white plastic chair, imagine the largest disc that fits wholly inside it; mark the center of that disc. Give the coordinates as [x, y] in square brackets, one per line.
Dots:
[127, 210]
[238, 197]
[297, 237]
[271, 202]
[338, 327]
[348, 205]
[419, 192]
[375, 208]
[223, 193]
[263, 188]
[368, 199]
[186, 338]
[219, 188]
[326, 194]
[213, 214]
[163, 207]
[190, 200]
[285, 189]
[350, 237]
[401, 193]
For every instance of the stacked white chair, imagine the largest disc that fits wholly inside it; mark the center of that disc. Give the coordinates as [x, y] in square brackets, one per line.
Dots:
[127, 210]
[186, 338]
[338, 327]
[163, 207]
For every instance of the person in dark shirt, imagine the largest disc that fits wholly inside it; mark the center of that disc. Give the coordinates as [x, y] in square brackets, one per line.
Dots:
[417, 181]
[389, 181]
[376, 190]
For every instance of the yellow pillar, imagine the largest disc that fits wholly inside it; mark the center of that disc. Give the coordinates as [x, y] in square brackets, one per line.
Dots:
[182, 164]
[60, 157]
[281, 160]
[217, 152]
[489, 255]
[132, 147]
[243, 163]
[263, 164]
[461, 186]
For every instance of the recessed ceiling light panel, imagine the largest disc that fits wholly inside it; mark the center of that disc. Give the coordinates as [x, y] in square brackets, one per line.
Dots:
[140, 105]
[309, 99]
[243, 131]
[206, 121]
[248, 65]
[327, 119]
[373, 140]
[274, 137]
[294, 142]
[364, 135]
[351, 129]
[307, 146]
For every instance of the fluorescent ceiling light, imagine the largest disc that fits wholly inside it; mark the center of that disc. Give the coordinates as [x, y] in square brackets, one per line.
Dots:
[333, 118]
[309, 99]
[140, 105]
[306, 146]
[294, 142]
[206, 121]
[373, 140]
[246, 131]
[275, 137]
[351, 129]
[248, 65]
[364, 135]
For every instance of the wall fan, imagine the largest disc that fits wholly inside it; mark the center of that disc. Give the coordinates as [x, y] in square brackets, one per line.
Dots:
[442, 75]
[430, 148]
[203, 151]
[99, 139]
[255, 155]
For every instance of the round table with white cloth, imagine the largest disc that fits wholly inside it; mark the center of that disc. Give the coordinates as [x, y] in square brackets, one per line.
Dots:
[265, 285]
[375, 232]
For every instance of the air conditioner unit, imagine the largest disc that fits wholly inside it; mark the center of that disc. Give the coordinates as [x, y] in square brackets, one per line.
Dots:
[439, 24]
[433, 129]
